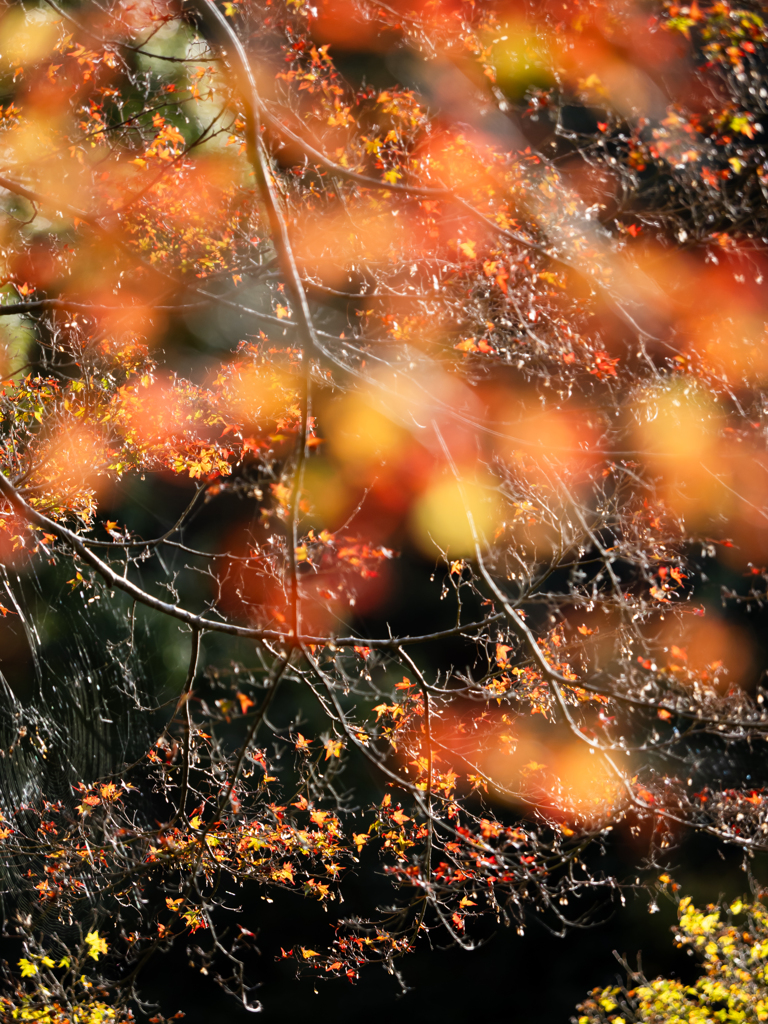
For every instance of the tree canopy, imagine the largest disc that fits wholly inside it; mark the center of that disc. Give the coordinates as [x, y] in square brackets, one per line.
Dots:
[384, 485]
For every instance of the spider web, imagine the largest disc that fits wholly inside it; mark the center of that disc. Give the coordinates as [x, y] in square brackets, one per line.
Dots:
[83, 719]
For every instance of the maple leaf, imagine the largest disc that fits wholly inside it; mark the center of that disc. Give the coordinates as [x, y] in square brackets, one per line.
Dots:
[502, 652]
[283, 874]
[604, 366]
[467, 345]
[245, 702]
[741, 123]
[333, 748]
[96, 945]
[360, 839]
[195, 919]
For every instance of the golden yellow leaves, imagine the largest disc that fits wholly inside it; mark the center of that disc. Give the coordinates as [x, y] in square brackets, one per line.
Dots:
[96, 945]
[28, 969]
[732, 987]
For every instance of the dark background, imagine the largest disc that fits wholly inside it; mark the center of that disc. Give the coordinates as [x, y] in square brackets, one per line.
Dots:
[534, 979]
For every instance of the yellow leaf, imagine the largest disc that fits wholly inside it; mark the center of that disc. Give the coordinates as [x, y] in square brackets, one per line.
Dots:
[307, 953]
[28, 969]
[96, 945]
[360, 839]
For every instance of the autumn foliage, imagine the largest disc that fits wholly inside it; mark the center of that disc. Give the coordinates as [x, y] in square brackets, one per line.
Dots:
[393, 449]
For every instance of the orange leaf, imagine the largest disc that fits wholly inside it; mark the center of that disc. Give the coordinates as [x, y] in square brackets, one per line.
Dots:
[245, 702]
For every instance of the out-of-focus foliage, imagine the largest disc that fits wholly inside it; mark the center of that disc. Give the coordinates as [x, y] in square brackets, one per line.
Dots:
[397, 447]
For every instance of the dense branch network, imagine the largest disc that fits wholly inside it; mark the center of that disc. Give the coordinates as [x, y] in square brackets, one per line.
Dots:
[425, 442]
